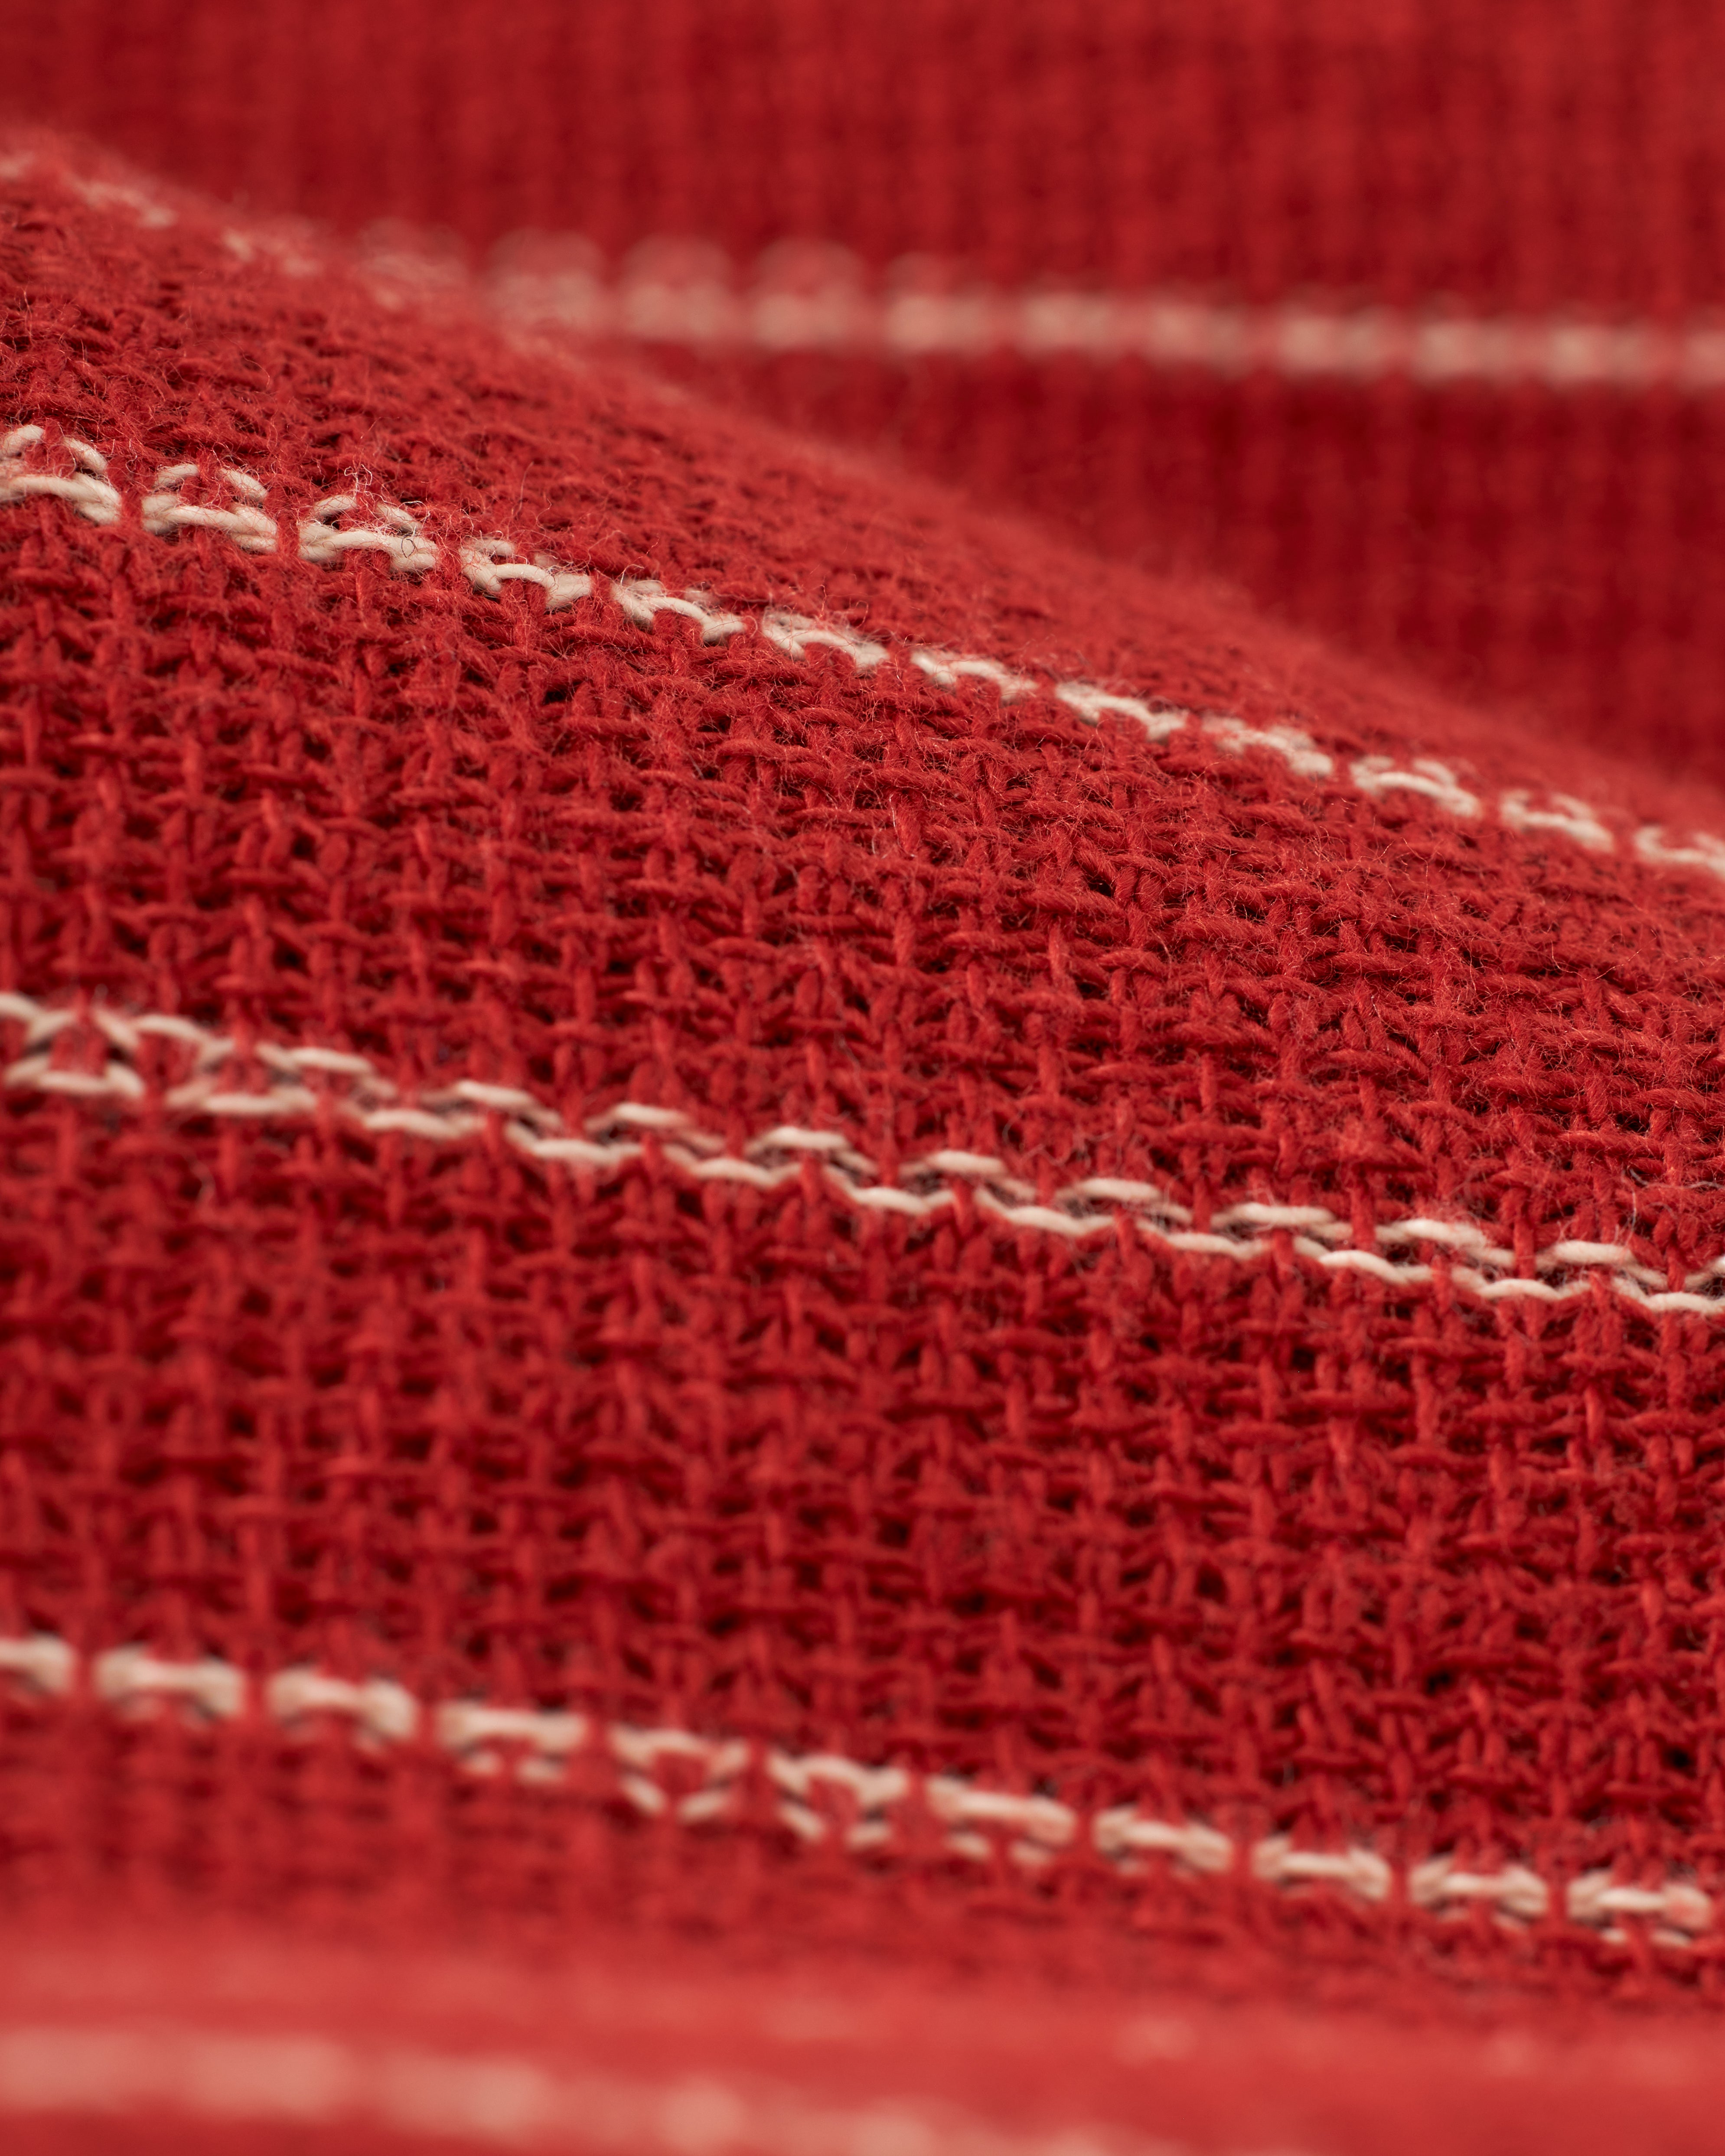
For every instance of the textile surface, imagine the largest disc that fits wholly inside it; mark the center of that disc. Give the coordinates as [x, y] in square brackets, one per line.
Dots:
[999, 1478]
[1538, 182]
[751, 1222]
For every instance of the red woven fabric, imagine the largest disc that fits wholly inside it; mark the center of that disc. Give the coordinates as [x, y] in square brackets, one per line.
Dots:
[1544, 537]
[1063, 1198]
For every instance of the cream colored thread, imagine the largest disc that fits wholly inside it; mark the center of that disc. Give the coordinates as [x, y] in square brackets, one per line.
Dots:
[1093, 705]
[288, 252]
[1298, 751]
[645, 597]
[1679, 1908]
[1123, 1833]
[123, 194]
[868, 1792]
[1702, 852]
[1573, 817]
[721, 1761]
[163, 512]
[132, 1678]
[299, 2079]
[795, 634]
[1361, 1871]
[817, 297]
[547, 1740]
[380, 1709]
[393, 532]
[1378, 775]
[88, 490]
[1515, 1892]
[822, 1794]
[456, 1113]
[50, 1664]
[952, 669]
[489, 564]
[1033, 1828]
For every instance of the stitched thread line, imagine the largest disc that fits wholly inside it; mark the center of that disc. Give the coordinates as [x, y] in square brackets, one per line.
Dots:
[304, 1082]
[673, 1776]
[308, 2079]
[325, 536]
[819, 298]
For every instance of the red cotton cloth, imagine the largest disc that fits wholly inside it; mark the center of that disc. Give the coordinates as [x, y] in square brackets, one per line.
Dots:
[823, 1331]
[1454, 392]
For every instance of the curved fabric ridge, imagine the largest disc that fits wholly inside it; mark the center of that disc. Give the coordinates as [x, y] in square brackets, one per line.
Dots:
[638, 1068]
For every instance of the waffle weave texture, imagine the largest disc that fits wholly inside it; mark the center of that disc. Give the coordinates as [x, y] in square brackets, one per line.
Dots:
[453, 1036]
[1543, 538]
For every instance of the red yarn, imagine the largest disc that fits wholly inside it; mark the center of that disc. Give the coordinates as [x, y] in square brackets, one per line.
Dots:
[1538, 164]
[1152, 1258]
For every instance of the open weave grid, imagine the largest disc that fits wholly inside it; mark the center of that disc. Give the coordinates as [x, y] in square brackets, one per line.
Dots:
[1546, 536]
[317, 1374]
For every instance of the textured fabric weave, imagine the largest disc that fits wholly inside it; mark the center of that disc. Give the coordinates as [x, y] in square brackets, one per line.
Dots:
[1061, 1199]
[1218, 1534]
[1546, 541]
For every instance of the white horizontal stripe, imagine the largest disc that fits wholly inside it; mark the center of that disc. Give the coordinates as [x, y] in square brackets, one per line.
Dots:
[304, 2079]
[339, 527]
[686, 1779]
[817, 298]
[270, 1082]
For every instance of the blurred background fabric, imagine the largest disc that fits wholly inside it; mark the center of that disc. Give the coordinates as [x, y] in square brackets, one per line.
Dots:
[1403, 316]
